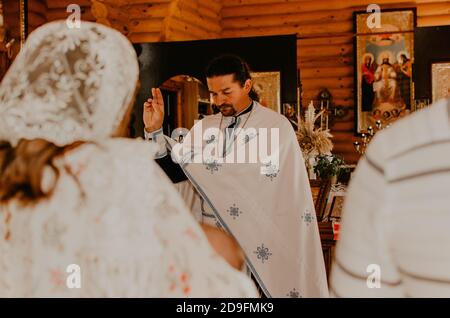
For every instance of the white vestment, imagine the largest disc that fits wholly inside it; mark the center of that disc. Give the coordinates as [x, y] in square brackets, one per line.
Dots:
[267, 206]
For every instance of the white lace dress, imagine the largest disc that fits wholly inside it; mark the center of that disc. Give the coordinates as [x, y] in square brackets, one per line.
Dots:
[116, 216]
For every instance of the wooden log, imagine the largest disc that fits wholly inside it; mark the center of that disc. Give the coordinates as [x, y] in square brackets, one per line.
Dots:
[306, 53]
[197, 6]
[63, 4]
[193, 4]
[321, 72]
[286, 19]
[300, 31]
[191, 16]
[175, 35]
[147, 25]
[103, 21]
[330, 83]
[346, 144]
[426, 9]
[142, 11]
[334, 40]
[61, 14]
[212, 32]
[433, 20]
[318, 60]
[345, 147]
[428, 1]
[106, 11]
[348, 103]
[237, 3]
[343, 126]
[118, 25]
[165, 31]
[212, 5]
[301, 6]
[125, 3]
[210, 14]
[344, 137]
[190, 29]
[144, 37]
[327, 61]
[121, 27]
[99, 10]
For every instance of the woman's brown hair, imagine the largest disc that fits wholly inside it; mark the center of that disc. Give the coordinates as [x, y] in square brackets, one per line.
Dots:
[22, 168]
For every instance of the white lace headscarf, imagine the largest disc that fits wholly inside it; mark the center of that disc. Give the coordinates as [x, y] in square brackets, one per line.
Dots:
[68, 85]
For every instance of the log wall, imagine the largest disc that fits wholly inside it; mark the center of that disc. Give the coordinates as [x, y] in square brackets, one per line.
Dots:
[324, 29]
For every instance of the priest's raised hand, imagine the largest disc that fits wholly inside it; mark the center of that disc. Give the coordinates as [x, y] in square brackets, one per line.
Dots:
[153, 113]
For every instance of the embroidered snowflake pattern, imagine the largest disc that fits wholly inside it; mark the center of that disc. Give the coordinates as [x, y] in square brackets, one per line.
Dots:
[294, 294]
[262, 253]
[308, 217]
[271, 171]
[212, 165]
[234, 211]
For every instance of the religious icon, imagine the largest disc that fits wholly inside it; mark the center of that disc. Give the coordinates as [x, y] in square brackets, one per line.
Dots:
[384, 57]
[267, 86]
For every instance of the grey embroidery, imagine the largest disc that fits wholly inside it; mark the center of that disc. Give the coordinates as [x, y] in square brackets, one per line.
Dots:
[294, 294]
[308, 217]
[262, 253]
[212, 165]
[234, 211]
[271, 171]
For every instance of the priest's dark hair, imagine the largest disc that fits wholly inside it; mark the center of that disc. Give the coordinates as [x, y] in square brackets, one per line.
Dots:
[231, 64]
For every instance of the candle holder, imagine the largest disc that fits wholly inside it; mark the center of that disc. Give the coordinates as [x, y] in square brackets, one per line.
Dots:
[361, 146]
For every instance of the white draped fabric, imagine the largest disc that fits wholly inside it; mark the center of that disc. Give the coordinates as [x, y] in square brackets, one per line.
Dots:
[267, 206]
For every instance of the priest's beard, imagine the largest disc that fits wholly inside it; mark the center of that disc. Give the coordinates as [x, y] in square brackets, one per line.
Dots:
[227, 110]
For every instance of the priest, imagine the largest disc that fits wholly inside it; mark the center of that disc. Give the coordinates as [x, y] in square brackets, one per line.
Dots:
[246, 165]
